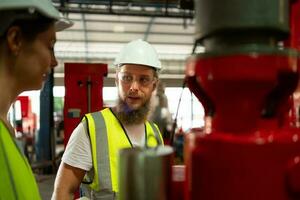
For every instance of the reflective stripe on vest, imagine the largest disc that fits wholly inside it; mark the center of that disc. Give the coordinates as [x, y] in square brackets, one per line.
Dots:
[102, 161]
[106, 144]
[156, 133]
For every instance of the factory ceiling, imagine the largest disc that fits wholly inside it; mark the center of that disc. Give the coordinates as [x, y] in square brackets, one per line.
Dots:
[102, 27]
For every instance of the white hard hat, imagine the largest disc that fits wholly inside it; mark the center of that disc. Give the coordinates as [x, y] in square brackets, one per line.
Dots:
[138, 52]
[44, 7]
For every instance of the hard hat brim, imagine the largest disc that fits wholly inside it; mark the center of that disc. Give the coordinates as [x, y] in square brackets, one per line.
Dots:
[62, 24]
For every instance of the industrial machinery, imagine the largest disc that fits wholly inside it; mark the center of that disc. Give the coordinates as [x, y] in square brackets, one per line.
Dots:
[25, 121]
[83, 85]
[83, 94]
[250, 148]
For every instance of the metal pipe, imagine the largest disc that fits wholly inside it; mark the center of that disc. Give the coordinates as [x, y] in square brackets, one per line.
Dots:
[99, 11]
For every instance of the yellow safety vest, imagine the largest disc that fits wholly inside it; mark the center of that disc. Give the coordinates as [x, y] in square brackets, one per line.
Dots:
[16, 179]
[107, 137]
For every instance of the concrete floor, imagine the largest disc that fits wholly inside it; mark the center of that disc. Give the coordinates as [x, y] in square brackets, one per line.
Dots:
[45, 184]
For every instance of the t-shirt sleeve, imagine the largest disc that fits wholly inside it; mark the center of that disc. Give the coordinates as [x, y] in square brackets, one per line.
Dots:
[78, 151]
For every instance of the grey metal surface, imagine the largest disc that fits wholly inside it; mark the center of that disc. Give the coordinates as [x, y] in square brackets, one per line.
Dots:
[145, 174]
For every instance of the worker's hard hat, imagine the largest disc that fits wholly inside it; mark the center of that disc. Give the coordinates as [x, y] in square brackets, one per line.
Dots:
[44, 7]
[138, 52]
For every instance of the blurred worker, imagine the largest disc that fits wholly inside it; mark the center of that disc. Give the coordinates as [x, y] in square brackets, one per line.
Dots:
[27, 38]
[160, 114]
[94, 144]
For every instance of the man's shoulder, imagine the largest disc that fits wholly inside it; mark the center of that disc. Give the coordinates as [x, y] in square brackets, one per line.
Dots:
[102, 111]
[150, 122]
[106, 113]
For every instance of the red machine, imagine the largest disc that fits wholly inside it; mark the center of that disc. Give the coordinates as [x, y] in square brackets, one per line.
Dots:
[250, 149]
[83, 93]
[25, 125]
[28, 121]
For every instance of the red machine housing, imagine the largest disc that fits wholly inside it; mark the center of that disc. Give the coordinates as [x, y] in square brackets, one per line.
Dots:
[83, 93]
[28, 122]
[241, 155]
[249, 148]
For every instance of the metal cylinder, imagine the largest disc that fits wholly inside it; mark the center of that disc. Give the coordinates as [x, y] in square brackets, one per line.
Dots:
[145, 174]
[214, 17]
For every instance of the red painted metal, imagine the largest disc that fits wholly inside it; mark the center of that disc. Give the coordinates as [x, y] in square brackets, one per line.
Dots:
[81, 80]
[250, 150]
[29, 121]
[238, 86]
[295, 25]
[259, 166]
[25, 105]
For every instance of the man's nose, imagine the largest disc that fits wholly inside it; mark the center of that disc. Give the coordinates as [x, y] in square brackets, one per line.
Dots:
[135, 84]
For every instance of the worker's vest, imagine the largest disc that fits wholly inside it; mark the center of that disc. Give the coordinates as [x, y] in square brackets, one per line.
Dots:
[107, 137]
[16, 179]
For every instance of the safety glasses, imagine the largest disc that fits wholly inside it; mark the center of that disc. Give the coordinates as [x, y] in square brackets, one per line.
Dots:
[143, 80]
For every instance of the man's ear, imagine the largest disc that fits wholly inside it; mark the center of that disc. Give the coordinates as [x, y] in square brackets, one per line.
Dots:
[155, 85]
[14, 39]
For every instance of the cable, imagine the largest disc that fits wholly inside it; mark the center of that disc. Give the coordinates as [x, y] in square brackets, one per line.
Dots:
[174, 125]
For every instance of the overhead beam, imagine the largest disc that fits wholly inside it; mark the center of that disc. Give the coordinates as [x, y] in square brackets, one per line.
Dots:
[188, 15]
[124, 3]
[126, 11]
[131, 32]
[131, 21]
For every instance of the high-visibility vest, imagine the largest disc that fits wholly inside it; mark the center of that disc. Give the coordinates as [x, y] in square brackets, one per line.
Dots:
[107, 137]
[16, 179]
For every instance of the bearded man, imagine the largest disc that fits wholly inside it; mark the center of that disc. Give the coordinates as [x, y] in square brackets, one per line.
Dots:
[91, 156]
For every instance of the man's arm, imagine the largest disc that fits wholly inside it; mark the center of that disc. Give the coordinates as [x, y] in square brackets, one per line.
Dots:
[67, 181]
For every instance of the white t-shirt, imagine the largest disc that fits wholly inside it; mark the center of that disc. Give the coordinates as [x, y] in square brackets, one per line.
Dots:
[78, 151]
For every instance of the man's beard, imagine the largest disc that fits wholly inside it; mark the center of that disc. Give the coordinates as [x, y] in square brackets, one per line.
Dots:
[131, 116]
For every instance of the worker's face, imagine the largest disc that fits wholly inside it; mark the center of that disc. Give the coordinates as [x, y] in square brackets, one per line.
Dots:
[33, 59]
[135, 84]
